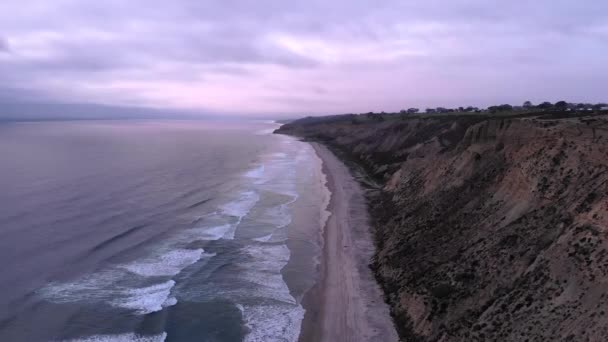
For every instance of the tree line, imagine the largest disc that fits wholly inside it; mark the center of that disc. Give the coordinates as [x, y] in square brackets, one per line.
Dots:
[525, 107]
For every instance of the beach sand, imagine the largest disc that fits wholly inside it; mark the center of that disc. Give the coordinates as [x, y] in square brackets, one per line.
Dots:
[346, 304]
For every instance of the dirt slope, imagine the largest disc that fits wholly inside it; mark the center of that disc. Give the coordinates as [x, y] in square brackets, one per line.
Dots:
[487, 229]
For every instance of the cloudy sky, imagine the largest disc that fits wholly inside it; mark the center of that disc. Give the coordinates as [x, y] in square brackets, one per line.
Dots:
[303, 57]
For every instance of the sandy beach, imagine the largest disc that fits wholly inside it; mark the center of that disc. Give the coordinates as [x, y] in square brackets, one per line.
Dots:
[346, 304]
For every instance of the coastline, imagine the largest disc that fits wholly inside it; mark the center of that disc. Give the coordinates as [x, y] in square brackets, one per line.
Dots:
[346, 303]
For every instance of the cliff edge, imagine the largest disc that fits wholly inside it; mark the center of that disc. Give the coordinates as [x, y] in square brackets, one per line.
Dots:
[487, 228]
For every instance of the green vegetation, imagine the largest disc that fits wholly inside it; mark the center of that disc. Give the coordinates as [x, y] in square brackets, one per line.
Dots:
[544, 110]
[560, 106]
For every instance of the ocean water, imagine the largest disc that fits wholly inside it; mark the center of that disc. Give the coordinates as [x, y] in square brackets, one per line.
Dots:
[156, 231]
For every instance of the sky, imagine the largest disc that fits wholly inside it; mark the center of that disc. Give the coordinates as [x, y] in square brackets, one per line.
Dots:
[285, 58]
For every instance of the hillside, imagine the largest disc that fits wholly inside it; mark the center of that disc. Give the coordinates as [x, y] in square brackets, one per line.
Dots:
[487, 228]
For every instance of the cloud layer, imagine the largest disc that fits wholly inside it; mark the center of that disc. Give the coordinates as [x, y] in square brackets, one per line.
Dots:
[275, 57]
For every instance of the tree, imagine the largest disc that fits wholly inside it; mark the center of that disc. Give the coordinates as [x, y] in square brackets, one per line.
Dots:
[545, 106]
[500, 108]
[430, 110]
[413, 110]
[561, 106]
[505, 108]
[528, 105]
[372, 116]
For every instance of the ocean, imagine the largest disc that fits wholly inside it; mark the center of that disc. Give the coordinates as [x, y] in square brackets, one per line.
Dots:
[156, 231]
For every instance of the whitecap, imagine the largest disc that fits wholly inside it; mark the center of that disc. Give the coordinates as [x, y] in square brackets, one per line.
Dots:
[209, 233]
[93, 287]
[130, 337]
[273, 322]
[168, 264]
[239, 208]
[263, 271]
[264, 238]
[146, 300]
[101, 288]
[169, 302]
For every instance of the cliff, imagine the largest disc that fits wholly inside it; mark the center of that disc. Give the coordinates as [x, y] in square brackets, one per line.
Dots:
[486, 228]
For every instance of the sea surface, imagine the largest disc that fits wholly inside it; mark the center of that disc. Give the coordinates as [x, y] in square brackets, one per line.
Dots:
[156, 231]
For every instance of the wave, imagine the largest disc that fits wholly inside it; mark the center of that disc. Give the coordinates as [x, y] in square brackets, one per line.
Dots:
[262, 268]
[108, 286]
[199, 203]
[239, 208]
[147, 299]
[101, 288]
[257, 172]
[278, 316]
[264, 238]
[168, 264]
[252, 276]
[211, 233]
[118, 237]
[273, 322]
[130, 337]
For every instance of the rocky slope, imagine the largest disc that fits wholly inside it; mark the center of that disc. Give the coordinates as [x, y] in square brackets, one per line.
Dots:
[487, 228]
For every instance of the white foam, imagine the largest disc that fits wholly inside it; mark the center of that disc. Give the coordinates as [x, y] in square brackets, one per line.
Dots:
[273, 322]
[263, 272]
[257, 172]
[147, 299]
[93, 287]
[130, 337]
[209, 233]
[278, 216]
[102, 288]
[264, 238]
[168, 264]
[169, 302]
[279, 316]
[241, 206]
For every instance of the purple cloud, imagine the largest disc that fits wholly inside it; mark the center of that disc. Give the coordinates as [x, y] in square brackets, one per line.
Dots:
[4, 45]
[272, 56]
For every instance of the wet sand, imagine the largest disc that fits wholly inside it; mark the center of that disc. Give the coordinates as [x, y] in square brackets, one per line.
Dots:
[346, 304]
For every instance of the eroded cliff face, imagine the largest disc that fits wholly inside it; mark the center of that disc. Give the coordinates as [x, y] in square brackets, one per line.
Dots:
[487, 229]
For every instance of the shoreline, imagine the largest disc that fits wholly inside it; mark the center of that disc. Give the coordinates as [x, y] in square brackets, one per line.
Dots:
[346, 303]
